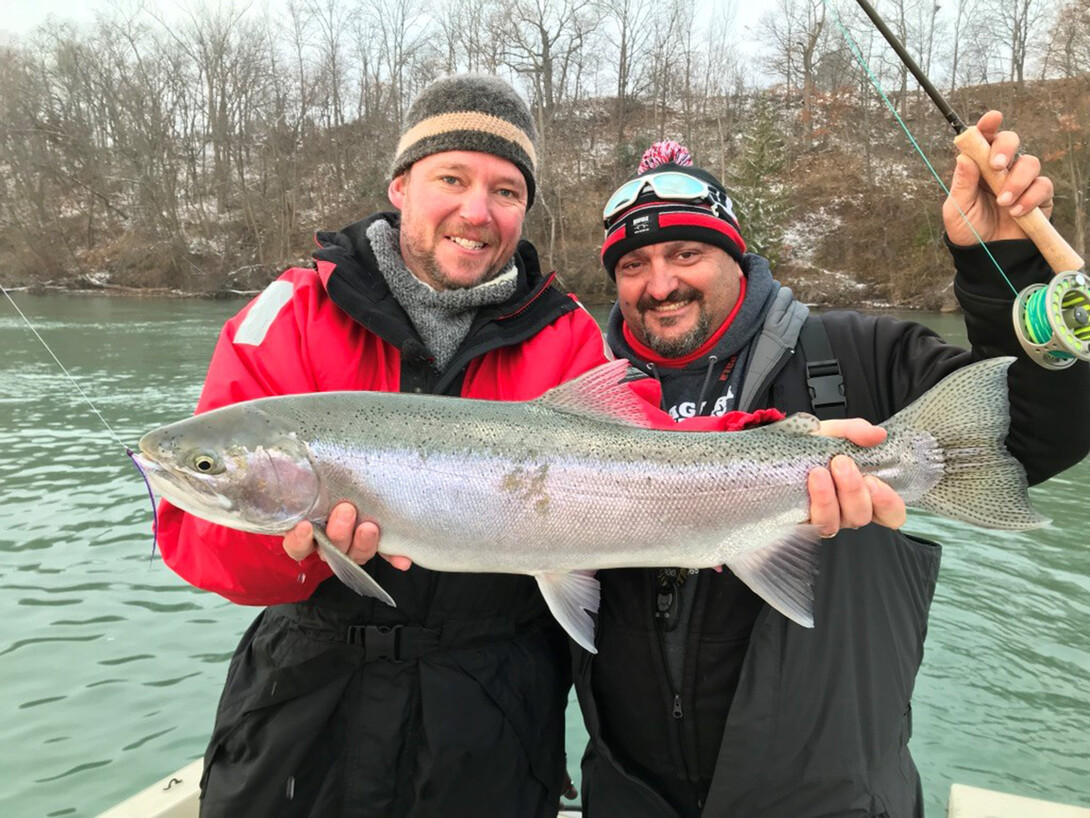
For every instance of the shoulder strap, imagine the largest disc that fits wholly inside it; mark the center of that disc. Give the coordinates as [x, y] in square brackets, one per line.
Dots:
[823, 377]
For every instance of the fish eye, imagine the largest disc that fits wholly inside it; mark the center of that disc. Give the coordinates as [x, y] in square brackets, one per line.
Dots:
[205, 464]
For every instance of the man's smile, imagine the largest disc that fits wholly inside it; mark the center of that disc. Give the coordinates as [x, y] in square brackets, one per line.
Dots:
[468, 244]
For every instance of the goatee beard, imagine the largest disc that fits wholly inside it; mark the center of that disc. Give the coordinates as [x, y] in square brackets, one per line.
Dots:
[682, 345]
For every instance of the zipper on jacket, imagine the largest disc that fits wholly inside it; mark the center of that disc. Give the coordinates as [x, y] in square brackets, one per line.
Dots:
[664, 612]
[676, 710]
[666, 609]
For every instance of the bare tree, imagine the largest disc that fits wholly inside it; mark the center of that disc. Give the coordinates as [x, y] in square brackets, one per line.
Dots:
[1069, 41]
[544, 41]
[629, 25]
[470, 35]
[797, 31]
[1016, 24]
[398, 28]
[964, 22]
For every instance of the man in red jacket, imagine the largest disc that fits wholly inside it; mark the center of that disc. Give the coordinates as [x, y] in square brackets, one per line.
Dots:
[453, 702]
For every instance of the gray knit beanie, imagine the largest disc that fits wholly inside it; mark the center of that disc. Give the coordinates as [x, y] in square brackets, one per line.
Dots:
[469, 112]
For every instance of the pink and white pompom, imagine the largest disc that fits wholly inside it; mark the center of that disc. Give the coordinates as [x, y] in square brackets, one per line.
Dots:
[666, 152]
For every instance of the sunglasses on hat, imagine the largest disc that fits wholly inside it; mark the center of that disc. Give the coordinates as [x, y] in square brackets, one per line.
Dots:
[669, 185]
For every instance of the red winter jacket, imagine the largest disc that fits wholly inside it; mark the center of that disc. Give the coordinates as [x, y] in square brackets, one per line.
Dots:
[337, 328]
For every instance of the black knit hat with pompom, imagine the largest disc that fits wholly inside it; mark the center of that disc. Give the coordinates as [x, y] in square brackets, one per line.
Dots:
[653, 220]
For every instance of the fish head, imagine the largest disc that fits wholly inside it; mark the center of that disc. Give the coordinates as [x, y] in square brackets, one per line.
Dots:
[237, 466]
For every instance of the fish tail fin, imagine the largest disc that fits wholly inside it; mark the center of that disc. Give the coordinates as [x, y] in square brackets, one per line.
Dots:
[349, 572]
[968, 415]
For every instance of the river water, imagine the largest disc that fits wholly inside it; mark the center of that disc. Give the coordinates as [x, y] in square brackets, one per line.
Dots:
[110, 665]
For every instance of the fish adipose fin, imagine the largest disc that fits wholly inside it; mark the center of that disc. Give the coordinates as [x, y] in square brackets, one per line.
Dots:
[602, 395]
[570, 596]
[782, 572]
[348, 572]
[968, 415]
[799, 423]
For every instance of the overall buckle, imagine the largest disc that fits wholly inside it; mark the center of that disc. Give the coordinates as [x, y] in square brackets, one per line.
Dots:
[377, 641]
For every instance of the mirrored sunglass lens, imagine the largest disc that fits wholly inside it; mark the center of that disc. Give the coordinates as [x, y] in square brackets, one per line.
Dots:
[678, 184]
[626, 194]
[666, 185]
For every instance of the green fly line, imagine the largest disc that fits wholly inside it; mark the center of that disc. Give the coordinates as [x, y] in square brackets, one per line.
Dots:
[67, 374]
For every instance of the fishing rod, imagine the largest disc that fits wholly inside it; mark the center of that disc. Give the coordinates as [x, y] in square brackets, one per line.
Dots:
[1052, 321]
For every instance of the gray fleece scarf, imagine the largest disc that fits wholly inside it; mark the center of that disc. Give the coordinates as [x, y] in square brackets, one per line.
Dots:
[442, 317]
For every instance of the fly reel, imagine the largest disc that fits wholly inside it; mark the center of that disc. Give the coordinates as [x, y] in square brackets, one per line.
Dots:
[1053, 321]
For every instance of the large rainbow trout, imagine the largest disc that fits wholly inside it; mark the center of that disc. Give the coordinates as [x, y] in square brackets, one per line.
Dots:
[575, 481]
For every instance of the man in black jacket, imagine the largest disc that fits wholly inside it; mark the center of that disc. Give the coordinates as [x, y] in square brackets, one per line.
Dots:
[703, 701]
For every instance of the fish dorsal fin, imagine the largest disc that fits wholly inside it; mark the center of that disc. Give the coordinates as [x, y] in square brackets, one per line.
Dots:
[601, 394]
[799, 423]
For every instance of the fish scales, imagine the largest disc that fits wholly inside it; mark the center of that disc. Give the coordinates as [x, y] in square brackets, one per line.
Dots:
[543, 490]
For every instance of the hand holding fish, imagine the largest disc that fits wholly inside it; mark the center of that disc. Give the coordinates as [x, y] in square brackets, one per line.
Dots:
[840, 497]
[989, 215]
[359, 542]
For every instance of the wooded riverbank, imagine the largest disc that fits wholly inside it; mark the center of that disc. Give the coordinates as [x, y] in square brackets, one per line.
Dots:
[199, 155]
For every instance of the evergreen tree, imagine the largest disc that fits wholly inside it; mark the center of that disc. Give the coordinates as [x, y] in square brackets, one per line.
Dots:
[761, 200]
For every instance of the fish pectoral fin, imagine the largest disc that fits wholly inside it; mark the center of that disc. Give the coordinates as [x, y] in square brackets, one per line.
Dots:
[572, 597]
[349, 572]
[782, 572]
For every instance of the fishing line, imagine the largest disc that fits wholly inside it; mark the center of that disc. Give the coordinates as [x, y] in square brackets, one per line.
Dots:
[857, 53]
[91, 403]
[65, 371]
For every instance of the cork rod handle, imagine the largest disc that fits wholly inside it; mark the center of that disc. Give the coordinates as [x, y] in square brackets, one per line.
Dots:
[1057, 252]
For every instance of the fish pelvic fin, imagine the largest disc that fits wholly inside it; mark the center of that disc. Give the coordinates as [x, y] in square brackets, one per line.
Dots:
[572, 597]
[782, 572]
[968, 415]
[601, 394]
[349, 572]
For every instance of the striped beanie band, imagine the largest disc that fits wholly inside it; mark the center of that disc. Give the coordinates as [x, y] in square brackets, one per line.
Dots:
[470, 112]
[652, 218]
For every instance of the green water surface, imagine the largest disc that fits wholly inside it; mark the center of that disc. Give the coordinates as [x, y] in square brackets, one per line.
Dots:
[110, 666]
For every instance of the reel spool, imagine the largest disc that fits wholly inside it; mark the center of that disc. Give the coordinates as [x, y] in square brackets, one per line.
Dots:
[1053, 322]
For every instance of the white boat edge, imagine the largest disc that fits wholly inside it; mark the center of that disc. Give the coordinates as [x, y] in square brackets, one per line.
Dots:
[178, 796]
[974, 802]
